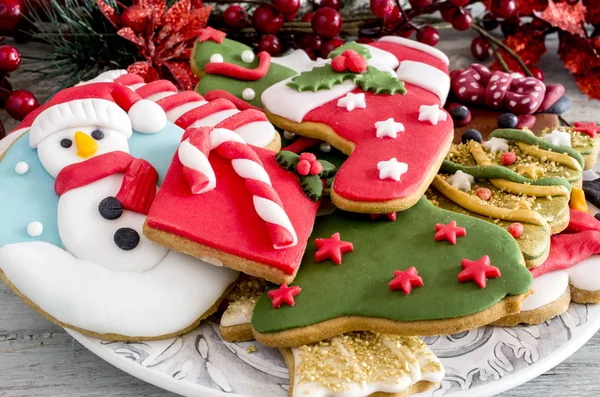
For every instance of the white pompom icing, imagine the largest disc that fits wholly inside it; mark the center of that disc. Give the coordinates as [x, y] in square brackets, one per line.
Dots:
[248, 94]
[147, 117]
[35, 229]
[21, 168]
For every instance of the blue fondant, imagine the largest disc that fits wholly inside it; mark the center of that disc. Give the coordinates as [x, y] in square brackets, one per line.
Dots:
[30, 197]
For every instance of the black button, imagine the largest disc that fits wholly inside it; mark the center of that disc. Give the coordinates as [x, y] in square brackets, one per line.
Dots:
[66, 143]
[110, 208]
[97, 134]
[126, 238]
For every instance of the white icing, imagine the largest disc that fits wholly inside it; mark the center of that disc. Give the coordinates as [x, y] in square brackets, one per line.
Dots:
[214, 119]
[21, 168]
[35, 229]
[248, 94]
[381, 59]
[105, 77]
[192, 158]
[176, 112]
[392, 169]
[238, 314]
[251, 170]
[212, 261]
[546, 289]
[216, 58]
[325, 147]
[247, 56]
[257, 133]
[165, 299]
[417, 46]
[432, 113]
[461, 181]
[271, 212]
[297, 60]
[136, 86]
[160, 95]
[558, 138]
[425, 76]
[147, 117]
[289, 135]
[586, 275]
[352, 101]
[388, 128]
[496, 145]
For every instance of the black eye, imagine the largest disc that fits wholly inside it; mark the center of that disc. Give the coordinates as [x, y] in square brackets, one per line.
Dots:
[66, 143]
[97, 134]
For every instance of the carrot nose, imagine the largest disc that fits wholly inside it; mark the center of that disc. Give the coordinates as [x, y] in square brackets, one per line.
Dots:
[86, 145]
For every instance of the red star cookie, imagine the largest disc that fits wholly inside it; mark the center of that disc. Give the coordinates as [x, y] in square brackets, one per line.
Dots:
[478, 271]
[449, 232]
[209, 33]
[284, 294]
[332, 248]
[590, 128]
[406, 280]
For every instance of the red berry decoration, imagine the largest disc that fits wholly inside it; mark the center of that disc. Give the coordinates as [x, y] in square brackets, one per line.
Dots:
[235, 17]
[20, 103]
[448, 13]
[428, 35]
[489, 21]
[310, 43]
[310, 157]
[516, 229]
[307, 17]
[327, 22]
[303, 167]
[316, 168]
[270, 43]
[459, 3]
[480, 48]
[10, 59]
[508, 158]
[503, 8]
[267, 20]
[330, 45]
[289, 17]
[537, 72]
[286, 6]
[10, 15]
[484, 193]
[382, 8]
[356, 63]
[338, 64]
[391, 21]
[335, 4]
[420, 3]
[462, 19]
[406, 32]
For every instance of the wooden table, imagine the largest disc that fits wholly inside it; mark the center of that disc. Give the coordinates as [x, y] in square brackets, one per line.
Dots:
[38, 358]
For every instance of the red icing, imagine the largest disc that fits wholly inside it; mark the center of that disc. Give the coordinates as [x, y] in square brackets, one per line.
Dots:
[239, 72]
[201, 112]
[242, 118]
[225, 218]
[406, 280]
[283, 294]
[390, 217]
[156, 87]
[581, 221]
[301, 144]
[478, 271]
[129, 79]
[172, 101]
[209, 33]
[139, 187]
[516, 229]
[332, 248]
[449, 232]
[239, 103]
[403, 53]
[567, 250]
[525, 121]
[420, 145]
[588, 128]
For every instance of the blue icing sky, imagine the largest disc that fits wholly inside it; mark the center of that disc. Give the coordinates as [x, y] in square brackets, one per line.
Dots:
[30, 197]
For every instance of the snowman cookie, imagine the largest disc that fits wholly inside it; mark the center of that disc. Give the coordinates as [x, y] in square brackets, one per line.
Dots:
[72, 245]
[380, 104]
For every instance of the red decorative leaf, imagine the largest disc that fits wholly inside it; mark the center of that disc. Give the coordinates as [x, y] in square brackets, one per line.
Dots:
[566, 17]
[144, 69]
[577, 53]
[527, 7]
[182, 75]
[593, 11]
[129, 34]
[528, 43]
[109, 13]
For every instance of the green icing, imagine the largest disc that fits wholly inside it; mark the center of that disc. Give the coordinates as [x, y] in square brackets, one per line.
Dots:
[359, 287]
[311, 184]
[523, 136]
[287, 160]
[231, 52]
[312, 187]
[380, 82]
[499, 172]
[352, 45]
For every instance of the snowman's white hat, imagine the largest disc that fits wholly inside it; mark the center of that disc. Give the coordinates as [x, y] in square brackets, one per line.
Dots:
[108, 105]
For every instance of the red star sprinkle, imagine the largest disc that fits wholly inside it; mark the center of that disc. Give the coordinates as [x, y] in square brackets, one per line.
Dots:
[209, 33]
[590, 128]
[390, 217]
[332, 248]
[478, 271]
[449, 232]
[283, 294]
[406, 280]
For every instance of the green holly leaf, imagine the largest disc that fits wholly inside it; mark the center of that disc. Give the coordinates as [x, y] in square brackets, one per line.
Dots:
[328, 169]
[360, 48]
[287, 160]
[380, 82]
[312, 187]
[319, 78]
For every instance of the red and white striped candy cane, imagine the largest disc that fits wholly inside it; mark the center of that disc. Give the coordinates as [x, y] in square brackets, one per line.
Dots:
[193, 154]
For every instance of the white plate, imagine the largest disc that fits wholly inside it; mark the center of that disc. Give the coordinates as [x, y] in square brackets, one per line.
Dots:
[481, 362]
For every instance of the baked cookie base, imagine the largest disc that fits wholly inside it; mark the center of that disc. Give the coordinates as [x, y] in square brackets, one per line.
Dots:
[116, 337]
[197, 250]
[418, 387]
[336, 326]
[237, 333]
[590, 159]
[326, 133]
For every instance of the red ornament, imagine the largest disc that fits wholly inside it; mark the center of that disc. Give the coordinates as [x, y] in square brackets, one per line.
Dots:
[428, 35]
[478, 271]
[287, 6]
[310, 43]
[391, 21]
[20, 103]
[503, 8]
[283, 294]
[330, 45]
[10, 58]
[382, 8]
[332, 248]
[480, 48]
[590, 128]
[420, 3]
[303, 167]
[307, 17]
[406, 280]
[267, 20]
[484, 193]
[10, 15]
[508, 158]
[462, 19]
[326, 22]
[449, 232]
[335, 4]
[235, 17]
[516, 229]
[390, 216]
[448, 13]
[270, 43]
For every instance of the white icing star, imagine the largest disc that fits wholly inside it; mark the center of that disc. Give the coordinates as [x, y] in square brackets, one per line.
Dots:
[461, 181]
[352, 101]
[388, 128]
[496, 145]
[392, 169]
[559, 138]
[432, 113]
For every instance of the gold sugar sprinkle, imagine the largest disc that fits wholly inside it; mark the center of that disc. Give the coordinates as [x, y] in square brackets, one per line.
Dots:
[251, 349]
